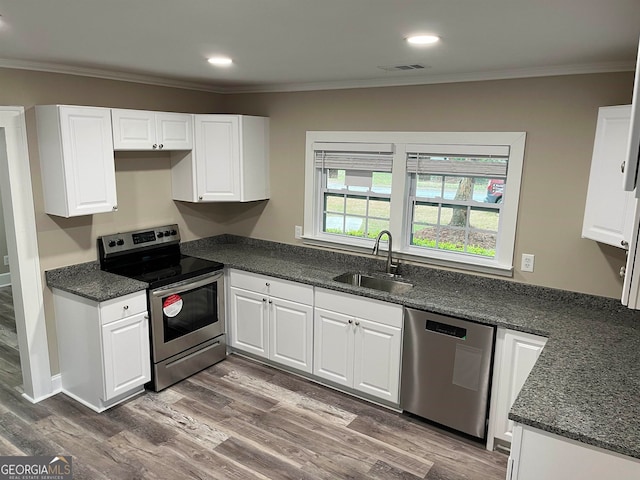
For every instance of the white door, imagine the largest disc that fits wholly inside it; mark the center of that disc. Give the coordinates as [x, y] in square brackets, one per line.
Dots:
[217, 151]
[248, 322]
[174, 131]
[377, 359]
[127, 362]
[291, 334]
[333, 346]
[520, 352]
[90, 176]
[133, 129]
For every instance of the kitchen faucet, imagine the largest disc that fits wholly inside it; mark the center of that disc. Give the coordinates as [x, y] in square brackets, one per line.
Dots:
[376, 247]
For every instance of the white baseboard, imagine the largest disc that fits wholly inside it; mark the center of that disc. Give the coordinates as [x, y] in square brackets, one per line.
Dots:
[5, 279]
[56, 387]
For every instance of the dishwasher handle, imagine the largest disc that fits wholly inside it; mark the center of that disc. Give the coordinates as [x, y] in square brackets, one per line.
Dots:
[443, 328]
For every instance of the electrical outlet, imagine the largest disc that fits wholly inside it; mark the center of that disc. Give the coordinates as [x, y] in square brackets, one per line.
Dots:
[6, 259]
[528, 260]
[298, 231]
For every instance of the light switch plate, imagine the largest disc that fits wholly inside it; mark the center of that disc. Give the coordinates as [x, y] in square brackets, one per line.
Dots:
[6, 259]
[298, 231]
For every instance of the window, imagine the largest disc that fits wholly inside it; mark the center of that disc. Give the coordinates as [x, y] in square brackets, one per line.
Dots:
[455, 197]
[448, 198]
[355, 189]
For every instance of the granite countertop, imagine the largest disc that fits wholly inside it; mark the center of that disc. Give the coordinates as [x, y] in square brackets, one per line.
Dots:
[585, 385]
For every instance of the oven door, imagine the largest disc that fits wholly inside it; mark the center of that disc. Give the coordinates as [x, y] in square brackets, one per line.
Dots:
[186, 313]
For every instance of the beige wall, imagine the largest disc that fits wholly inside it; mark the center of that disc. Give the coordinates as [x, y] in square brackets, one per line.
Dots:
[558, 114]
[143, 179]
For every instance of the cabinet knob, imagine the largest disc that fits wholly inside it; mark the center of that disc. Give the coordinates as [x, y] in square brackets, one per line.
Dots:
[161, 146]
[624, 243]
[270, 301]
[350, 320]
[126, 307]
[115, 207]
[146, 317]
[264, 299]
[623, 271]
[200, 197]
[155, 145]
[622, 166]
[357, 323]
[267, 284]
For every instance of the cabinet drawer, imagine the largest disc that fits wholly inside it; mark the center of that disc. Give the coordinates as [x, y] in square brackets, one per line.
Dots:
[382, 312]
[274, 287]
[122, 307]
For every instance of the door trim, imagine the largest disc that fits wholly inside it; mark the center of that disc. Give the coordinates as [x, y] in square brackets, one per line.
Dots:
[22, 243]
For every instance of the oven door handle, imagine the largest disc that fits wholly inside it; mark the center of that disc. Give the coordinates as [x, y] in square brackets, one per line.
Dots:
[189, 284]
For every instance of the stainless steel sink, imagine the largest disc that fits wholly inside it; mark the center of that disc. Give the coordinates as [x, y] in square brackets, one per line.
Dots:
[382, 283]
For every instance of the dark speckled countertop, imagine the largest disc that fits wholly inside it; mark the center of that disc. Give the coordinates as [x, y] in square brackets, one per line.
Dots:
[585, 385]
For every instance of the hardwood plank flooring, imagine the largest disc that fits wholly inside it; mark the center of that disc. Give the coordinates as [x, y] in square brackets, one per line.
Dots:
[237, 420]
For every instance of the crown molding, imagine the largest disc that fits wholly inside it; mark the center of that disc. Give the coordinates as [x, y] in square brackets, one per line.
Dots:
[429, 79]
[388, 81]
[107, 75]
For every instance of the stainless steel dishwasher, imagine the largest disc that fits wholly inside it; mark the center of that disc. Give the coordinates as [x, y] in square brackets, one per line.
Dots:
[446, 365]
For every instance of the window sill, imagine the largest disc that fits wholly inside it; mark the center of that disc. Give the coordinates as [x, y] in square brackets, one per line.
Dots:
[469, 266]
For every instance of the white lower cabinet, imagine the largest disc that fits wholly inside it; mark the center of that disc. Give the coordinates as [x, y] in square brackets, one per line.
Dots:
[537, 455]
[271, 318]
[516, 354]
[103, 348]
[357, 343]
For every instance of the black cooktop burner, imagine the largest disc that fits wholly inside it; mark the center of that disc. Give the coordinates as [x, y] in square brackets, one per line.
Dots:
[167, 270]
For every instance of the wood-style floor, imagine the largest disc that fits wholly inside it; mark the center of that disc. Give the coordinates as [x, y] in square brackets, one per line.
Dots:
[235, 420]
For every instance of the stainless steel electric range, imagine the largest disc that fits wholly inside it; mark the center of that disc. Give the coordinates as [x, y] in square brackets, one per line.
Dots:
[185, 299]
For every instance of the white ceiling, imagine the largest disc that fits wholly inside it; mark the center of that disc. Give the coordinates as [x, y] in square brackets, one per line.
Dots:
[317, 44]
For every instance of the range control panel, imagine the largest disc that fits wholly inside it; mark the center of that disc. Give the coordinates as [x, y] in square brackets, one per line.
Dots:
[128, 241]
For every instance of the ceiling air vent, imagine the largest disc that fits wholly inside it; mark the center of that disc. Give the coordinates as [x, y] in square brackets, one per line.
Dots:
[403, 68]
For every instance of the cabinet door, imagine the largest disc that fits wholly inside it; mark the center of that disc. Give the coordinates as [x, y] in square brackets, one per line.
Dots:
[377, 359]
[126, 356]
[248, 322]
[174, 131]
[291, 334]
[89, 169]
[609, 210]
[217, 146]
[333, 347]
[519, 352]
[133, 130]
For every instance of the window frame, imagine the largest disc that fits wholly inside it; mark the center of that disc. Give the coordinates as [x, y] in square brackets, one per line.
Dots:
[402, 142]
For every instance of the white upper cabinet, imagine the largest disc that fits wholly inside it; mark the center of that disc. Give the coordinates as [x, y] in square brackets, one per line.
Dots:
[143, 130]
[76, 159]
[609, 211]
[229, 163]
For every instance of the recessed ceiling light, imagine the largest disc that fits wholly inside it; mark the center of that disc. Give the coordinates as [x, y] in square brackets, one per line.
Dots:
[220, 61]
[422, 39]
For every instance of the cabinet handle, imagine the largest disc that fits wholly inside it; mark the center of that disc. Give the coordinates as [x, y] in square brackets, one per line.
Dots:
[161, 146]
[155, 145]
[622, 166]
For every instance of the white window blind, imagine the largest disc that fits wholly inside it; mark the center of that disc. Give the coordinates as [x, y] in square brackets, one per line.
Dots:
[349, 156]
[462, 160]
